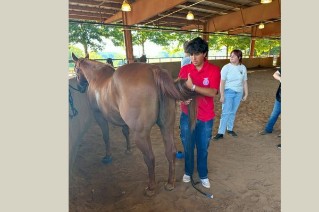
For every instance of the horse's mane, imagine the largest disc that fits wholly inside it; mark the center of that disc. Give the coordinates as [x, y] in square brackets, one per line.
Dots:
[97, 66]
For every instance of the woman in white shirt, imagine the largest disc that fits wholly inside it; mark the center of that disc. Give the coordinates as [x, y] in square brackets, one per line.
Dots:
[233, 90]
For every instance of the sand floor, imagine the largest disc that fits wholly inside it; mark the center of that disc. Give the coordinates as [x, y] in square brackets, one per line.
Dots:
[244, 171]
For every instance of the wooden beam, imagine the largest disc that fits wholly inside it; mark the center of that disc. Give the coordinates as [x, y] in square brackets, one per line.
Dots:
[95, 3]
[191, 26]
[89, 14]
[145, 9]
[86, 18]
[271, 29]
[222, 2]
[91, 9]
[114, 18]
[250, 15]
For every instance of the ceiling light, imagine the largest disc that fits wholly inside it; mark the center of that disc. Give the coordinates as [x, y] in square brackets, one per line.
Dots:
[126, 6]
[265, 1]
[190, 16]
[261, 26]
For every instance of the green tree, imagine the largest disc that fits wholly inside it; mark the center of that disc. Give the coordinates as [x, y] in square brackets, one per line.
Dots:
[115, 34]
[77, 51]
[89, 35]
[230, 42]
[140, 37]
[95, 55]
[267, 47]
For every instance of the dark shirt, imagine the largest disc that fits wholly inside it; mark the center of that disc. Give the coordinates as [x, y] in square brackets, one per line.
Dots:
[278, 93]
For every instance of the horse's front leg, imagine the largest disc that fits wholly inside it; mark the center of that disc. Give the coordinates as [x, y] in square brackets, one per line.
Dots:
[104, 125]
[125, 131]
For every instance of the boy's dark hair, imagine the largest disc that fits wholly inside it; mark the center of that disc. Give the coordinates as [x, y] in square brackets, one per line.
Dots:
[197, 45]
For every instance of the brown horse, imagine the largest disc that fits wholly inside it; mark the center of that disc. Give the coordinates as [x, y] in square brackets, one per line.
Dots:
[136, 96]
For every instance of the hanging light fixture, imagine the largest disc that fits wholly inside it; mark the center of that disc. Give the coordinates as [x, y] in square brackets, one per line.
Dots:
[261, 26]
[190, 15]
[265, 1]
[126, 7]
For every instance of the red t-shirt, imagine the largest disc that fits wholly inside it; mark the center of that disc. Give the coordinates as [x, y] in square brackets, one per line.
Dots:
[209, 77]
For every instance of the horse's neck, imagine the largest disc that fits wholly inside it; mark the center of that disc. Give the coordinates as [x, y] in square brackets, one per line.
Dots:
[98, 74]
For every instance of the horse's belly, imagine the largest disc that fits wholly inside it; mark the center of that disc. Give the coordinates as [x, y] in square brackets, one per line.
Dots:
[114, 117]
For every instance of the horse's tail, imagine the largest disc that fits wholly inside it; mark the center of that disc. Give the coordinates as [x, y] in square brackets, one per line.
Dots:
[175, 89]
[165, 84]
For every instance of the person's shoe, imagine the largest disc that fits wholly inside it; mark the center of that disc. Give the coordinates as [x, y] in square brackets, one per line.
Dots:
[186, 178]
[218, 136]
[264, 132]
[205, 183]
[279, 146]
[232, 133]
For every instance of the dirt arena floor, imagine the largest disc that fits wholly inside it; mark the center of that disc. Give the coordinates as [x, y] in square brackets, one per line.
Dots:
[244, 171]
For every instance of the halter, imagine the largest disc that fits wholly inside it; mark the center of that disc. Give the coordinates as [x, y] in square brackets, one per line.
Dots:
[82, 88]
[77, 67]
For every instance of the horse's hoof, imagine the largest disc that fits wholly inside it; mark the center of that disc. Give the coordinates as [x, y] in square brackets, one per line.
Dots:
[128, 151]
[107, 159]
[149, 192]
[169, 187]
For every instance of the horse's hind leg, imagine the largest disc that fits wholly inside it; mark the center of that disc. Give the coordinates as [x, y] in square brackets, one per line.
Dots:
[166, 124]
[143, 142]
[125, 131]
[104, 125]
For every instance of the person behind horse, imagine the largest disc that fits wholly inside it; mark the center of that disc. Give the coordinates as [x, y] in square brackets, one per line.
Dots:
[203, 78]
[233, 90]
[143, 59]
[109, 61]
[186, 59]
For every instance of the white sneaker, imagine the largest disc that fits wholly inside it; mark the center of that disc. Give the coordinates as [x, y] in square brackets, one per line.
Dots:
[205, 183]
[186, 178]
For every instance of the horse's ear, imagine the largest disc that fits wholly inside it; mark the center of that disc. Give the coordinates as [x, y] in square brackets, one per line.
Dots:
[87, 56]
[74, 57]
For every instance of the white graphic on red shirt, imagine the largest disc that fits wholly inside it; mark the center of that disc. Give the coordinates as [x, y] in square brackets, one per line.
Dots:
[205, 81]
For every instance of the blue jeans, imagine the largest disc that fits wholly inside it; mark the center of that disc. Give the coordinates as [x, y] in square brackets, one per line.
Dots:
[200, 137]
[276, 111]
[229, 108]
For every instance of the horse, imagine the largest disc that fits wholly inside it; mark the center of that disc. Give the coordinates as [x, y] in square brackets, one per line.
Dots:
[136, 96]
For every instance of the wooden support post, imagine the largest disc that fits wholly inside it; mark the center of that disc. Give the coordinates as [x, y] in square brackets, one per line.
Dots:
[252, 41]
[127, 40]
[252, 47]
[205, 35]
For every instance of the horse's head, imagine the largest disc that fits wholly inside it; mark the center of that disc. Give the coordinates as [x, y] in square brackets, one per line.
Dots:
[82, 82]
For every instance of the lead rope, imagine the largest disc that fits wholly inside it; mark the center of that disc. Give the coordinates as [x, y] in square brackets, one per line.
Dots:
[73, 110]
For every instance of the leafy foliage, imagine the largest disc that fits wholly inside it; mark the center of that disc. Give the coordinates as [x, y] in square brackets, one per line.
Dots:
[89, 35]
[216, 42]
[267, 47]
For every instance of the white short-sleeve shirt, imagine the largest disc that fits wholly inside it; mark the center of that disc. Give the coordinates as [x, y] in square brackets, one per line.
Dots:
[234, 76]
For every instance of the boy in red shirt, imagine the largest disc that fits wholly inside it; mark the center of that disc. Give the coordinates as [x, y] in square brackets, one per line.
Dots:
[203, 78]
